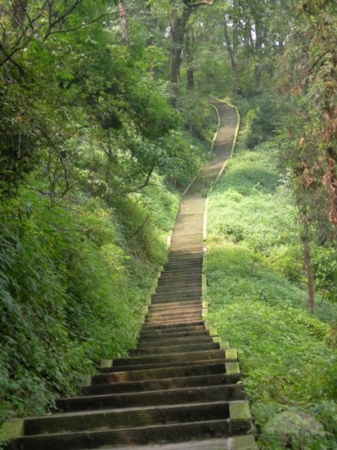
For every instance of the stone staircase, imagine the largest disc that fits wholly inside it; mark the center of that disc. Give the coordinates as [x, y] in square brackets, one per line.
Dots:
[180, 389]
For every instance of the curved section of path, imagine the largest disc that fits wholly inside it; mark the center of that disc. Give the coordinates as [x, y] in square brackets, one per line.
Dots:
[179, 389]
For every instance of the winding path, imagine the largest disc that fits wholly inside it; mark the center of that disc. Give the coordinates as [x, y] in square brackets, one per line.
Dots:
[179, 389]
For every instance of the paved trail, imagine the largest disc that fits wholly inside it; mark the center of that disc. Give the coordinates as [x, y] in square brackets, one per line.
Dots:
[179, 389]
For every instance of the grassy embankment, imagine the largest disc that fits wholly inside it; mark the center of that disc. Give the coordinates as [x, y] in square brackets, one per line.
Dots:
[258, 299]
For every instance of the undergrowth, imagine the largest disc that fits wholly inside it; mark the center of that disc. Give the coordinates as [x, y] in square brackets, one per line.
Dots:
[74, 279]
[258, 299]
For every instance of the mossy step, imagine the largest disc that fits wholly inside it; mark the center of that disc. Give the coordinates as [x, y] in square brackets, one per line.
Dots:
[180, 396]
[161, 334]
[245, 442]
[202, 355]
[153, 335]
[185, 237]
[175, 307]
[193, 276]
[192, 326]
[174, 310]
[187, 252]
[175, 319]
[145, 344]
[181, 231]
[109, 419]
[189, 221]
[171, 357]
[162, 365]
[133, 436]
[182, 319]
[160, 299]
[185, 257]
[179, 287]
[162, 383]
[182, 314]
[171, 294]
[195, 326]
[108, 375]
[182, 294]
[175, 313]
[175, 349]
[187, 243]
[179, 264]
[174, 297]
[176, 270]
[178, 275]
[182, 248]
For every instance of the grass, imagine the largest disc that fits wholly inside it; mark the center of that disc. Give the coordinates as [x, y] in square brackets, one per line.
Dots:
[258, 300]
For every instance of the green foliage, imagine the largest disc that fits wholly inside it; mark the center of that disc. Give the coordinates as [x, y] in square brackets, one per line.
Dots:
[262, 117]
[257, 300]
[197, 116]
[310, 77]
[74, 280]
[325, 267]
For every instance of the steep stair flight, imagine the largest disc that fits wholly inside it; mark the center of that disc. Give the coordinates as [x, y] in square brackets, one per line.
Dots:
[181, 388]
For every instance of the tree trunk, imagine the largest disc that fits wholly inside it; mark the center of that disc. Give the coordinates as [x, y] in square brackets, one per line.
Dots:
[178, 30]
[231, 46]
[189, 44]
[308, 264]
[124, 25]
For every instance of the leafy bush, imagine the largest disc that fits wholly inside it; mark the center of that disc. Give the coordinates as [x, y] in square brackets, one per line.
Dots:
[261, 116]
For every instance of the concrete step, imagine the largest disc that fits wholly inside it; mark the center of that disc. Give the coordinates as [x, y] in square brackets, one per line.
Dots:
[135, 426]
[108, 375]
[145, 344]
[175, 320]
[178, 396]
[177, 265]
[175, 306]
[191, 327]
[179, 288]
[174, 297]
[181, 312]
[132, 436]
[161, 365]
[159, 334]
[174, 312]
[161, 384]
[184, 348]
[245, 442]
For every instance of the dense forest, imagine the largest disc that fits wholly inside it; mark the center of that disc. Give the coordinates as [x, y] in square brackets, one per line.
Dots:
[104, 121]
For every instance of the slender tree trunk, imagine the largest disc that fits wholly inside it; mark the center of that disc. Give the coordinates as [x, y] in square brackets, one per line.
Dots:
[124, 24]
[178, 30]
[150, 25]
[189, 45]
[231, 46]
[308, 264]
